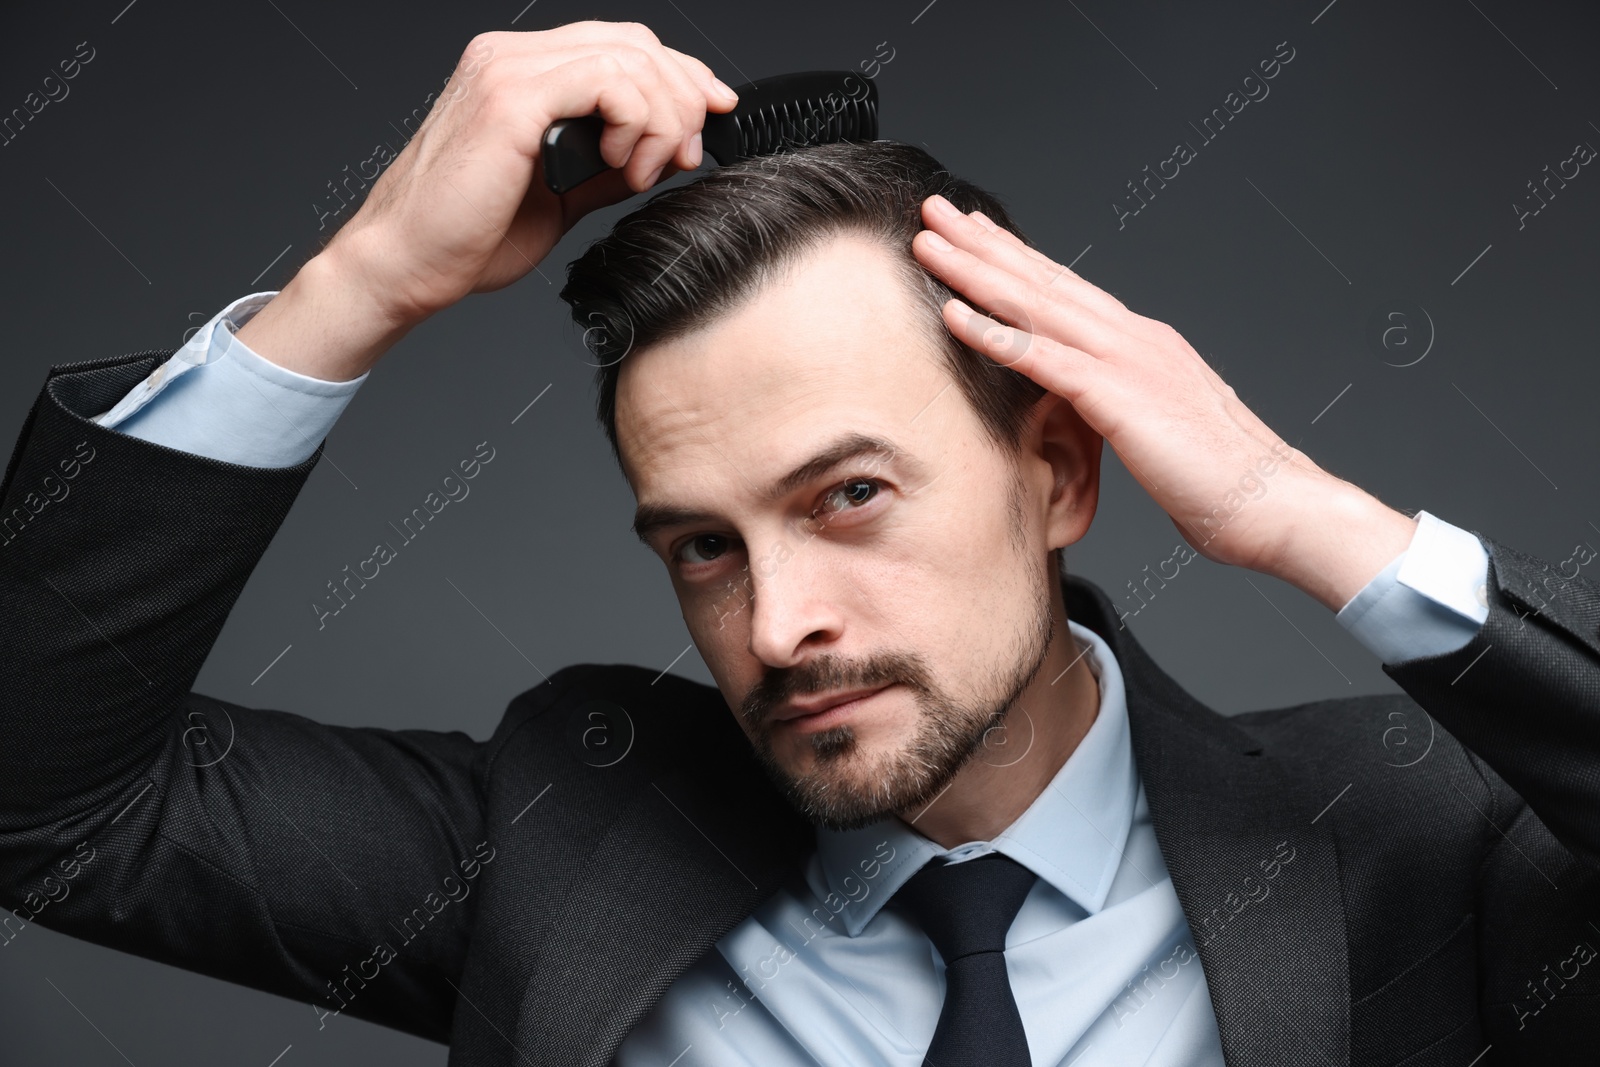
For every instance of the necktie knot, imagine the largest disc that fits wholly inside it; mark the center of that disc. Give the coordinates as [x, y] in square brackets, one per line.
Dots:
[967, 907]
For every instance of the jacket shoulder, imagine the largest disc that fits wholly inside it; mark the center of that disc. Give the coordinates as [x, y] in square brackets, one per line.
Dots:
[589, 704]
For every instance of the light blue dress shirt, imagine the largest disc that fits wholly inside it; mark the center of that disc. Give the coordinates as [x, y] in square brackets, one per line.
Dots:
[1100, 957]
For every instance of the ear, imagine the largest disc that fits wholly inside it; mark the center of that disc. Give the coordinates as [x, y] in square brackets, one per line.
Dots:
[1065, 453]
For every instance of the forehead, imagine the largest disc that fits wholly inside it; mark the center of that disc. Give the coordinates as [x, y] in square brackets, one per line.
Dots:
[838, 345]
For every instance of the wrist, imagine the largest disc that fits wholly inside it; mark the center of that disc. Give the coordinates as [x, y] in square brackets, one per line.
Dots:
[327, 322]
[1341, 538]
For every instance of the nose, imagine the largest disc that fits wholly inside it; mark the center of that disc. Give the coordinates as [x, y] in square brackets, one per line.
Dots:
[796, 605]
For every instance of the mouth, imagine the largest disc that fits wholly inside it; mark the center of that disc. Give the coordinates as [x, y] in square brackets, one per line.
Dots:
[822, 712]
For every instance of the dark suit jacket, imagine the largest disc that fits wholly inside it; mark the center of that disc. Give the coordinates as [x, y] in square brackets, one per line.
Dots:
[1430, 910]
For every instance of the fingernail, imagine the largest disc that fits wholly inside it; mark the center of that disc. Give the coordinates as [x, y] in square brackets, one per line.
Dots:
[943, 207]
[939, 244]
[722, 89]
[648, 182]
[696, 150]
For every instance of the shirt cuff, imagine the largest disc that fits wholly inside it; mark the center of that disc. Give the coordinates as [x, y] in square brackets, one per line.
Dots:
[218, 398]
[1430, 600]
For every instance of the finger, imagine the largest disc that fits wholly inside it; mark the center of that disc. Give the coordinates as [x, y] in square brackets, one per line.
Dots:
[581, 84]
[1006, 236]
[1065, 370]
[719, 95]
[589, 33]
[601, 81]
[1004, 248]
[690, 100]
[1020, 302]
[664, 134]
[1083, 289]
[677, 87]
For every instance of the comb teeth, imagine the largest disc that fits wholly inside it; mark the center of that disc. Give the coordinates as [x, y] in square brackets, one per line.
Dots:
[808, 121]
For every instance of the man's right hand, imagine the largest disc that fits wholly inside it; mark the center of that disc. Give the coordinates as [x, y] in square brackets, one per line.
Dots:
[464, 207]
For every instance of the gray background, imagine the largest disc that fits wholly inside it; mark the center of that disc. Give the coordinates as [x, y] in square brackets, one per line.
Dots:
[1384, 163]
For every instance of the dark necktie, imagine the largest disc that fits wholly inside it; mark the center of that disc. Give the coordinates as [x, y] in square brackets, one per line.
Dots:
[965, 909]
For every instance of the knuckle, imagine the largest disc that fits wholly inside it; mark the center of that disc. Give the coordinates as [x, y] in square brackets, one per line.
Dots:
[1039, 294]
[693, 64]
[484, 45]
[636, 31]
[609, 65]
[635, 60]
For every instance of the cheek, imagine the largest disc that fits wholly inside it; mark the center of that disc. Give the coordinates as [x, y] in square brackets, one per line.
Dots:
[964, 599]
[713, 610]
[919, 593]
[718, 621]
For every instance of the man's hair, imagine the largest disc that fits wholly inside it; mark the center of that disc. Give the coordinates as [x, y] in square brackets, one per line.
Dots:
[694, 252]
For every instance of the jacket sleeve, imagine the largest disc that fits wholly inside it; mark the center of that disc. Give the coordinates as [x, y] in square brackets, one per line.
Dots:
[1524, 694]
[328, 864]
[1523, 697]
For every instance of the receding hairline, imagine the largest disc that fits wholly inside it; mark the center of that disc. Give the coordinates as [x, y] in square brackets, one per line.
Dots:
[925, 316]
[782, 267]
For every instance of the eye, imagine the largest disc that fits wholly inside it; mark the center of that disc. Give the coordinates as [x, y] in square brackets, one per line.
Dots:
[851, 494]
[704, 548]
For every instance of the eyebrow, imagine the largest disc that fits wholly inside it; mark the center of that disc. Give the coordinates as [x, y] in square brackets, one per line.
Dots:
[651, 519]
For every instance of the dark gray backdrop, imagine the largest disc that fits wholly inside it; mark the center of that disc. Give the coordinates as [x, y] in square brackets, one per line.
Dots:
[1379, 175]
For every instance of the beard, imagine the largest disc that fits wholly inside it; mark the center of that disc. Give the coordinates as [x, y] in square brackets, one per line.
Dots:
[844, 790]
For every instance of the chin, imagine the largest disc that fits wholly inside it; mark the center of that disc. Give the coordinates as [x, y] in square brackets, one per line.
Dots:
[842, 782]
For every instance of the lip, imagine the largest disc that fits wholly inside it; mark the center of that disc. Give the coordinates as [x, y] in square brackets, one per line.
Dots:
[821, 711]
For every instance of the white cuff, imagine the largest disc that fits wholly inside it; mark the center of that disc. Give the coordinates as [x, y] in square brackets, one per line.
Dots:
[1430, 600]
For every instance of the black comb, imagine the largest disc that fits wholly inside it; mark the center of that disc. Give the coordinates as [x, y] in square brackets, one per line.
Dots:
[774, 115]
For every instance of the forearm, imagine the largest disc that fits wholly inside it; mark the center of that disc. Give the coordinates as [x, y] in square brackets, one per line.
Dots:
[326, 323]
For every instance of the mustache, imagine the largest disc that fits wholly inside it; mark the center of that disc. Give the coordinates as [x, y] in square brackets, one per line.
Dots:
[830, 673]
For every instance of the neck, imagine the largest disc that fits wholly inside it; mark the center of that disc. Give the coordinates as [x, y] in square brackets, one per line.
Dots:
[1039, 732]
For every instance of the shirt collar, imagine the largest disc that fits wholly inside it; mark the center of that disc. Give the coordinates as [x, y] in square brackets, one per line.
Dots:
[1072, 836]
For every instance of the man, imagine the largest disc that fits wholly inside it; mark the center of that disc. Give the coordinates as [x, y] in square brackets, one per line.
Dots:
[955, 814]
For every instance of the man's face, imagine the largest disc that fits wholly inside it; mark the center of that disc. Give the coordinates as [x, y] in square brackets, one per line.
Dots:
[835, 520]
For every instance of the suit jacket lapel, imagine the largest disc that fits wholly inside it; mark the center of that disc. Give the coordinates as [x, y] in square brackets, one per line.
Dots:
[1254, 866]
[691, 856]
